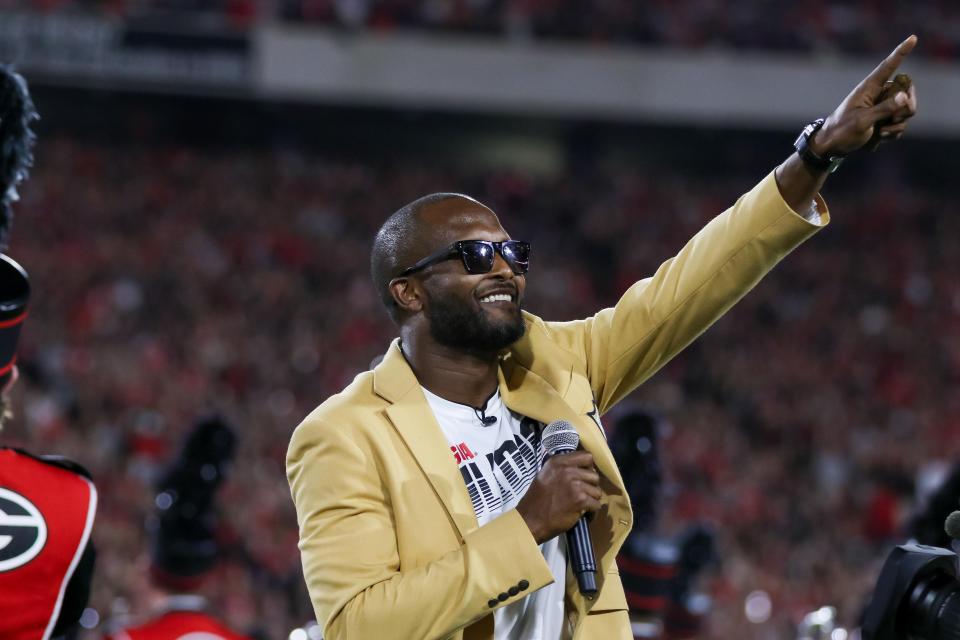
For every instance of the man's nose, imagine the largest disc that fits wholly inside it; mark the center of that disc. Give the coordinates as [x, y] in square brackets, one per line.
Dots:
[500, 266]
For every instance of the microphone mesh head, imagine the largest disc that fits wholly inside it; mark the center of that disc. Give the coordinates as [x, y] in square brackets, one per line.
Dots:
[952, 525]
[558, 436]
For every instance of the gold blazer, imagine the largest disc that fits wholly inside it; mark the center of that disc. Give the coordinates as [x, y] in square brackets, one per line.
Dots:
[389, 541]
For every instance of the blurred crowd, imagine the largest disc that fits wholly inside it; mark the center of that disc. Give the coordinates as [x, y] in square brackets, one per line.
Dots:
[172, 280]
[820, 26]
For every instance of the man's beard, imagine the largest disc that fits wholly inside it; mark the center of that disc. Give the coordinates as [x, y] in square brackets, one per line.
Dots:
[456, 324]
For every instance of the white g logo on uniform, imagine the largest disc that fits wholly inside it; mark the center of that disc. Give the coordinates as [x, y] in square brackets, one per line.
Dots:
[23, 531]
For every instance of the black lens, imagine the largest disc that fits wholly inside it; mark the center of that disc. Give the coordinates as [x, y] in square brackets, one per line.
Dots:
[477, 256]
[933, 609]
[517, 255]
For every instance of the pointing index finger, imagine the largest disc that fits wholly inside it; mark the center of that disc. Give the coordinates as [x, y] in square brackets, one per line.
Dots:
[886, 68]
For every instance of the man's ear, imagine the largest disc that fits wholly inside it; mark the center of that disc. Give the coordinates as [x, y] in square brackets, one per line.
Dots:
[407, 294]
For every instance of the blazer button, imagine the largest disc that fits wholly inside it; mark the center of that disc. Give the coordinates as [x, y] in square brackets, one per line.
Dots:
[523, 584]
[492, 603]
[513, 591]
[503, 597]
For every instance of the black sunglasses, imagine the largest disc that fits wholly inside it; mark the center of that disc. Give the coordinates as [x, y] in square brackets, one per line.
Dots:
[479, 255]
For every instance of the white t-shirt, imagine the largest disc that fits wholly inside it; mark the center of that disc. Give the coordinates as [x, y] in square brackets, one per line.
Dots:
[498, 463]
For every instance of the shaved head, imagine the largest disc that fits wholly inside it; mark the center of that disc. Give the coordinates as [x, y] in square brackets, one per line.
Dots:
[414, 231]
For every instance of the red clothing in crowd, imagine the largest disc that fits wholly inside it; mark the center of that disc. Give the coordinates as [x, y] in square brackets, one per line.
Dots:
[184, 616]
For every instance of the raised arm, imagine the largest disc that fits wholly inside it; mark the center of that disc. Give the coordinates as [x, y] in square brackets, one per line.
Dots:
[658, 316]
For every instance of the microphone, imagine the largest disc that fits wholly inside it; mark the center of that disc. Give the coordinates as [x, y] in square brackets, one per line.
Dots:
[952, 527]
[560, 437]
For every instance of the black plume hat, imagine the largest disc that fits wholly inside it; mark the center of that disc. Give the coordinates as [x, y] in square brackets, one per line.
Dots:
[16, 157]
[17, 113]
[634, 443]
[184, 546]
[14, 295]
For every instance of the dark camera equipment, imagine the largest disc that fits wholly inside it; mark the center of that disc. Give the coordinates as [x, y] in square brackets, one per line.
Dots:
[917, 596]
[918, 593]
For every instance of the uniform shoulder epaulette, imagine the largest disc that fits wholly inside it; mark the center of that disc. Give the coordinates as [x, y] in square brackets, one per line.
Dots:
[57, 461]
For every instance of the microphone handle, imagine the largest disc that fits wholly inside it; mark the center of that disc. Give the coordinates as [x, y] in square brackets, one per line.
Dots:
[580, 551]
[582, 561]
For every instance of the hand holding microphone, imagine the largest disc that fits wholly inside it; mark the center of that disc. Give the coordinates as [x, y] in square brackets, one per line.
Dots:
[565, 490]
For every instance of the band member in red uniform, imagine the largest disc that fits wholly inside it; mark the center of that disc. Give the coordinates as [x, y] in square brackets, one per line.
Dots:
[47, 504]
[184, 543]
[659, 572]
[47, 507]
[183, 618]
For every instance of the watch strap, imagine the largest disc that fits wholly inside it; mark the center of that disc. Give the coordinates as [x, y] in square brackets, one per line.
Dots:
[812, 159]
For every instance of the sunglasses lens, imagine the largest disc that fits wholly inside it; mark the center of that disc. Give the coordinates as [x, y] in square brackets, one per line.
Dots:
[517, 255]
[477, 256]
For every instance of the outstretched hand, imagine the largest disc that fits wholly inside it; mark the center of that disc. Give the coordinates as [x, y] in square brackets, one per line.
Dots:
[860, 118]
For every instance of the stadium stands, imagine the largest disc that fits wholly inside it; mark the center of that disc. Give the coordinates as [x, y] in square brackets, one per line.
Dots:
[823, 26]
[172, 278]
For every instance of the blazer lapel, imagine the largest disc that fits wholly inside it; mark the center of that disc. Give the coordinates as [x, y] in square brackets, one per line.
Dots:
[413, 419]
[528, 394]
[522, 390]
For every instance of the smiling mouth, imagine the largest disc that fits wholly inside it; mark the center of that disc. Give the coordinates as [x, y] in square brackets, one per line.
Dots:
[497, 297]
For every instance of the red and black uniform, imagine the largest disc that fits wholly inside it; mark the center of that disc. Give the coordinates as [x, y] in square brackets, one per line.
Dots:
[47, 506]
[183, 616]
[656, 579]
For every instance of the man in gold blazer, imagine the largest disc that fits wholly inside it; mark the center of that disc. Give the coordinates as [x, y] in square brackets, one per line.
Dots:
[419, 521]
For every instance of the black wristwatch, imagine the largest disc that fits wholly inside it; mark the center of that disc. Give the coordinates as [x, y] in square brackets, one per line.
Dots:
[814, 161]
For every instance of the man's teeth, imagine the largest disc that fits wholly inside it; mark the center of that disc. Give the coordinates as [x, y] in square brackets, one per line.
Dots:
[499, 297]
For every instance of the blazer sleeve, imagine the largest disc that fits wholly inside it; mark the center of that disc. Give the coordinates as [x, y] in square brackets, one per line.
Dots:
[657, 317]
[351, 562]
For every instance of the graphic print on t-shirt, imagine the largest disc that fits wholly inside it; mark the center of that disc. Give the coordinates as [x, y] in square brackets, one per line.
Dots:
[499, 484]
[498, 461]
